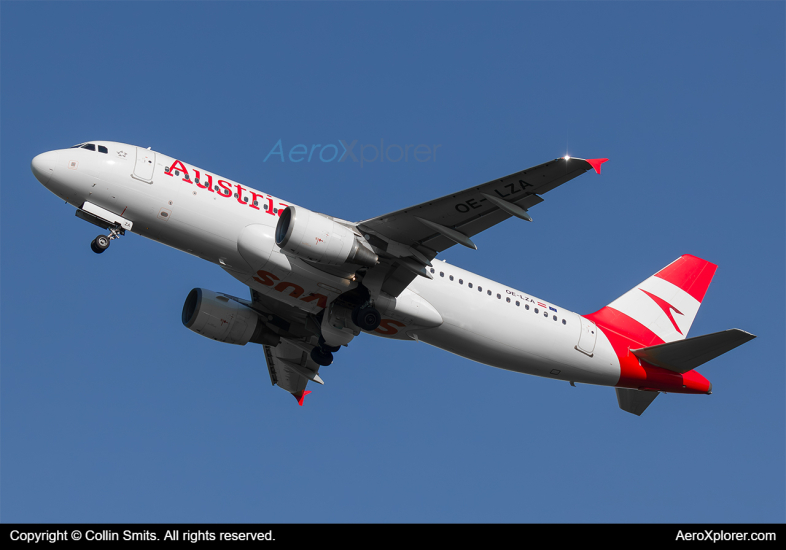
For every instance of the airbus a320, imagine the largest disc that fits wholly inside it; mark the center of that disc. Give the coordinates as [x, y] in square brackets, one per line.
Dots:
[317, 281]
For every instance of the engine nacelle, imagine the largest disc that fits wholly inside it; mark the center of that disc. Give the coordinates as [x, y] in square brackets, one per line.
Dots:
[220, 318]
[318, 238]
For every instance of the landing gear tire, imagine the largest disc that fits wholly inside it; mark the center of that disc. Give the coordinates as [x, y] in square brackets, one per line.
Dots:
[321, 357]
[367, 318]
[100, 244]
[324, 345]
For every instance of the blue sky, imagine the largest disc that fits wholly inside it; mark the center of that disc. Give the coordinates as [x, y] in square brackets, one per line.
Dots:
[112, 411]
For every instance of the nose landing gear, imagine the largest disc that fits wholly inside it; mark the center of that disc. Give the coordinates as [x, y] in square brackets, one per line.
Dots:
[101, 242]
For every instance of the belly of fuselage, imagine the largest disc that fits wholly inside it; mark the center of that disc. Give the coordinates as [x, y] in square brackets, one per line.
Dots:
[497, 332]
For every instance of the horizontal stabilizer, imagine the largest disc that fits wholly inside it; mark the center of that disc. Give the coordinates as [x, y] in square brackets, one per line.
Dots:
[635, 401]
[684, 355]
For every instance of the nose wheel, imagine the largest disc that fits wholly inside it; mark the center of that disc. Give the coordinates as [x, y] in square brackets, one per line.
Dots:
[101, 242]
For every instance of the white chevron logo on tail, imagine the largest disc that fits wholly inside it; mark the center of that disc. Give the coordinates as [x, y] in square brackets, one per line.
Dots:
[653, 304]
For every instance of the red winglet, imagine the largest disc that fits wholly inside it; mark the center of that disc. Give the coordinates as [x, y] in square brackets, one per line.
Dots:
[300, 396]
[595, 163]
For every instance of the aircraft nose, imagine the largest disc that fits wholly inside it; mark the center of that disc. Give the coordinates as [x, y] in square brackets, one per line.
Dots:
[42, 166]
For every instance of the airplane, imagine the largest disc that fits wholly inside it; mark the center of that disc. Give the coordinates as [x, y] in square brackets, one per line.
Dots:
[317, 281]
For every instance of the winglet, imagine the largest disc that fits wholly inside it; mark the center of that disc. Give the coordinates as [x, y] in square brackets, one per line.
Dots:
[300, 396]
[595, 163]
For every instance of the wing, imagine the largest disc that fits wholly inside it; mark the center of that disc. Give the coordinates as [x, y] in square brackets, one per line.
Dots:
[408, 239]
[291, 368]
[292, 335]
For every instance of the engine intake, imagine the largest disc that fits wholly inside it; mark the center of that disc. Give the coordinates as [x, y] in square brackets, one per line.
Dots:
[217, 317]
[320, 239]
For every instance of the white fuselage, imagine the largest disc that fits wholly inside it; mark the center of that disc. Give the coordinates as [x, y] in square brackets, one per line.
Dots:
[481, 319]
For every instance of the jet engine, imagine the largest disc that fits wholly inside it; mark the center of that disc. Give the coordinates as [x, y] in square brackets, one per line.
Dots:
[320, 239]
[221, 318]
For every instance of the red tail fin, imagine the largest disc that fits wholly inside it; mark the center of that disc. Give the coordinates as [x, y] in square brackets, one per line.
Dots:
[662, 308]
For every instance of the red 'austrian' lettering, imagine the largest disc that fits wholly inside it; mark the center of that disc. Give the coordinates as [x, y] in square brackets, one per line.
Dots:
[177, 165]
[225, 186]
[240, 190]
[209, 185]
[254, 197]
[225, 190]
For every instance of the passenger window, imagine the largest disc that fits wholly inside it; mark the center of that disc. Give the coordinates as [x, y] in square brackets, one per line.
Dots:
[451, 277]
[441, 273]
[432, 270]
[469, 285]
[555, 317]
[255, 203]
[563, 322]
[500, 297]
[102, 149]
[196, 180]
[461, 281]
[546, 314]
[517, 303]
[89, 147]
[526, 306]
[507, 300]
[245, 199]
[488, 292]
[480, 289]
[536, 310]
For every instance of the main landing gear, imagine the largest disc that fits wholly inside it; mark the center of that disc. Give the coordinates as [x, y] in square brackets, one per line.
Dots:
[101, 242]
[366, 317]
[322, 354]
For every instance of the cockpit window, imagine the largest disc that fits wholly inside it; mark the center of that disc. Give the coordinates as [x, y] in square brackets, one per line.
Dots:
[102, 149]
[89, 146]
[76, 146]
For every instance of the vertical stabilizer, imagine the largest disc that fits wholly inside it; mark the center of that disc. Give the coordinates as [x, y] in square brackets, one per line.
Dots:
[662, 308]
